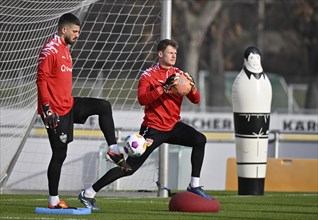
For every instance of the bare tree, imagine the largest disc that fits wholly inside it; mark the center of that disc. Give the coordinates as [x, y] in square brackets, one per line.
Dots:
[304, 14]
[215, 65]
[191, 20]
[213, 34]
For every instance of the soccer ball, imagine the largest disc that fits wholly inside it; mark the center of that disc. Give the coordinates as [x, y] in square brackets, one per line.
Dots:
[135, 145]
[182, 87]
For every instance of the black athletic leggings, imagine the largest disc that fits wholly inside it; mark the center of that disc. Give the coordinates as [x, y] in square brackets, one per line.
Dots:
[63, 134]
[181, 134]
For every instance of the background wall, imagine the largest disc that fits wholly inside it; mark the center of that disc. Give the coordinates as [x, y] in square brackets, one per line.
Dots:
[85, 161]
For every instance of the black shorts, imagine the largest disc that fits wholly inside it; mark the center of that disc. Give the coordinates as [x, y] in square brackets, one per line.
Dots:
[181, 134]
[64, 131]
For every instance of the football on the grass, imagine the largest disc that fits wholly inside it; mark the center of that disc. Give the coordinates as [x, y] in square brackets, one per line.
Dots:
[135, 145]
[182, 87]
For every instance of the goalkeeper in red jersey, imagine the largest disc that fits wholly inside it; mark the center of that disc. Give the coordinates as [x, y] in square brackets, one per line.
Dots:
[161, 122]
[59, 110]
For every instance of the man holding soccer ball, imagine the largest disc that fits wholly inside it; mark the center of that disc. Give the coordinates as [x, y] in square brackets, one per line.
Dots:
[59, 110]
[161, 121]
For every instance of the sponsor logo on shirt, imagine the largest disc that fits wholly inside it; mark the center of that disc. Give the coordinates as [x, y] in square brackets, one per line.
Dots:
[65, 68]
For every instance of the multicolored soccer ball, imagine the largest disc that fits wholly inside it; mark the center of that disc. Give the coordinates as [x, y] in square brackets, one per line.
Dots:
[135, 145]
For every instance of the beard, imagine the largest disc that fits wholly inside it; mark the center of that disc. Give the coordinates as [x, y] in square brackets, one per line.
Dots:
[69, 40]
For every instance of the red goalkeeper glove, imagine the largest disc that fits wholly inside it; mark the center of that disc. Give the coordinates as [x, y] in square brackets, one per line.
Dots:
[51, 119]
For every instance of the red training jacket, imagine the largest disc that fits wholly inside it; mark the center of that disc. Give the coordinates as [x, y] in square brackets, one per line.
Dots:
[162, 110]
[54, 76]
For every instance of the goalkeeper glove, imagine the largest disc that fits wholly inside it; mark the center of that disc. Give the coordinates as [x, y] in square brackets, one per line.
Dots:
[170, 81]
[51, 119]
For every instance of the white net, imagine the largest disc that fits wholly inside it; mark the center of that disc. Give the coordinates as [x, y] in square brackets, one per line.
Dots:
[24, 27]
[117, 41]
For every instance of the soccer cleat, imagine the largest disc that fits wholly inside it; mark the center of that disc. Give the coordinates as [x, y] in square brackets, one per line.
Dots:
[60, 205]
[199, 191]
[119, 160]
[88, 202]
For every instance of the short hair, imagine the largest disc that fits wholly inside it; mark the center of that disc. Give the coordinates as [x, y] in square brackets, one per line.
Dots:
[67, 19]
[163, 44]
[251, 49]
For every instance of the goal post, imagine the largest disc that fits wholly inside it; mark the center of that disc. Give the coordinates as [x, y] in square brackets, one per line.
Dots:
[163, 150]
[117, 42]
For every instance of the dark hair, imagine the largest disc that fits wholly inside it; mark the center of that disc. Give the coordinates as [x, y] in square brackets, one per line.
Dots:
[251, 49]
[163, 44]
[68, 18]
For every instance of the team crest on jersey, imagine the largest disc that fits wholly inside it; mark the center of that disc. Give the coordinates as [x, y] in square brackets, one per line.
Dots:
[149, 142]
[63, 138]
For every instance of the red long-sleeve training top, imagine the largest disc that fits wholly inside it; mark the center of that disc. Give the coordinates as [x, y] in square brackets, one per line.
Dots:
[162, 110]
[54, 76]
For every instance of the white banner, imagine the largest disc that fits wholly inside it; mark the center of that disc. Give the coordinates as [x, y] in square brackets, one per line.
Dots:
[203, 121]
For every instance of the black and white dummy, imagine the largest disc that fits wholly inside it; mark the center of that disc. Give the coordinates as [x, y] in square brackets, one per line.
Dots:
[251, 99]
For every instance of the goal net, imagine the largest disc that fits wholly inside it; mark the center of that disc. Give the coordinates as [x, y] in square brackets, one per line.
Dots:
[24, 27]
[117, 41]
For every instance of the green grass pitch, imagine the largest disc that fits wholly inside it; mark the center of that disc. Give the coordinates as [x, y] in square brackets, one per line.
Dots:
[289, 206]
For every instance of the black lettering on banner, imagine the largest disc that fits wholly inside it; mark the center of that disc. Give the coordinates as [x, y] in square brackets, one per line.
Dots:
[227, 124]
[287, 125]
[312, 126]
[299, 126]
[303, 126]
[216, 123]
[209, 124]
[204, 123]
[194, 123]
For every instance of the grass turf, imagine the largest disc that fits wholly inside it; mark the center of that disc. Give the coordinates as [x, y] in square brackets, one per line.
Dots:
[289, 206]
